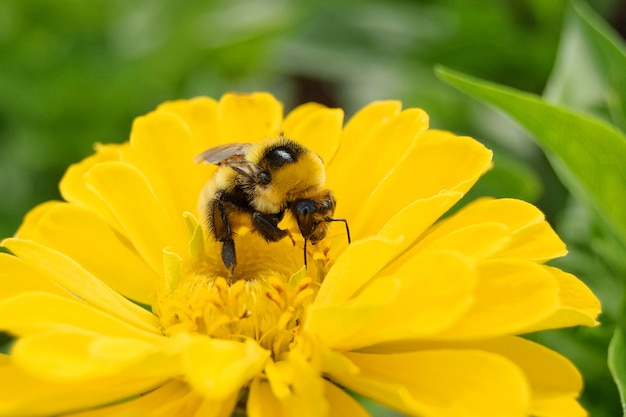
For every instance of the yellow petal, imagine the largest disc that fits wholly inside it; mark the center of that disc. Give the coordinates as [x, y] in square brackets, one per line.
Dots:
[557, 407]
[161, 144]
[216, 408]
[67, 355]
[147, 224]
[341, 326]
[172, 270]
[442, 383]
[432, 166]
[435, 291]
[262, 402]
[538, 242]
[514, 214]
[476, 242]
[249, 118]
[375, 162]
[172, 399]
[354, 267]
[318, 129]
[34, 312]
[358, 133]
[297, 386]
[195, 236]
[577, 304]
[301, 113]
[510, 296]
[549, 373]
[200, 114]
[554, 381]
[531, 237]
[29, 396]
[425, 296]
[219, 368]
[74, 190]
[33, 217]
[65, 272]
[165, 401]
[17, 277]
[81, 234]
[341, 403]
[333, 362]
[414, 219]
[408, 224]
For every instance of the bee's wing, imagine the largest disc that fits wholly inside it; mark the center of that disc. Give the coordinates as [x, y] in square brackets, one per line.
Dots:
[220, 154]
[232, 155]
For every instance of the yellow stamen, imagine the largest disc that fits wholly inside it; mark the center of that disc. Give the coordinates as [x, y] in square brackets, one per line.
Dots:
[266, 307]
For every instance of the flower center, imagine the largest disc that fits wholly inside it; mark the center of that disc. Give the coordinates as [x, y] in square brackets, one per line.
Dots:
[263, 299]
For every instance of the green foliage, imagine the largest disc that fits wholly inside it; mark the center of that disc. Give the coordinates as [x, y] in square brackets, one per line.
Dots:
[579, 124]
[588, 153]
[617, 363]
[73, 73]
[590, 70]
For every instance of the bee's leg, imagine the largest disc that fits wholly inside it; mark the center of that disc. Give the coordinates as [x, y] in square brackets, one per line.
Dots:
[221, 228]
[267, 226]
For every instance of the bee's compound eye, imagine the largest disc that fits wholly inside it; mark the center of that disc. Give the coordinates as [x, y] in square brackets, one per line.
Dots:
[264, 177]
[305, 207]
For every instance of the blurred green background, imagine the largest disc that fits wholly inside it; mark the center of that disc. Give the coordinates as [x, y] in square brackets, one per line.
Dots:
[76, 72]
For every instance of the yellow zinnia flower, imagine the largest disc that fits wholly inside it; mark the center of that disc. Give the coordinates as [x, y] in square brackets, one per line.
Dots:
[121, 305]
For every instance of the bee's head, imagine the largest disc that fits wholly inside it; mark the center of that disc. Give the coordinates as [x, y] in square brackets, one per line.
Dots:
[283, 172]
[313, 215]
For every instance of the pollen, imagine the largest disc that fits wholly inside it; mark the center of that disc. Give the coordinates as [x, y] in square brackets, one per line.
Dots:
[266, 305]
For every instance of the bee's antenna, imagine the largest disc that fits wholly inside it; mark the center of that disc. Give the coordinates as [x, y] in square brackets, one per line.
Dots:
[330, 219]
[345, 222]
[305, 266]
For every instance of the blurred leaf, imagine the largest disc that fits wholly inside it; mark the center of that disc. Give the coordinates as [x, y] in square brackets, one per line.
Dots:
[375, 409]
[587, 349]
[617, 364]
[6, 341]
[590, 76]
[588, 153]
[590, 71]
[73, 72]
[509, 178]
[595, 255]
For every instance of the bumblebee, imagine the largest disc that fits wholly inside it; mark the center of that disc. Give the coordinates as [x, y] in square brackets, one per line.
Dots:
[257, 183]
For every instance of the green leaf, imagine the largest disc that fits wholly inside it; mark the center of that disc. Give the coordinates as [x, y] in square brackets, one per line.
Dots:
[617, 364]
[590, 70]
[6, 341]
[508, 178]
[589, 154]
